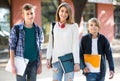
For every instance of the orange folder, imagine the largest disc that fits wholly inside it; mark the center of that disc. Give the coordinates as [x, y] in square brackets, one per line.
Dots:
[92, 61]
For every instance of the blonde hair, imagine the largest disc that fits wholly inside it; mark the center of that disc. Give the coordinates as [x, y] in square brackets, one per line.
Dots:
[95, 20]
[70, 18]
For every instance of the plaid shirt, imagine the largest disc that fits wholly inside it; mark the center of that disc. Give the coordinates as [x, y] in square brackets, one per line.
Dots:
[18, 46]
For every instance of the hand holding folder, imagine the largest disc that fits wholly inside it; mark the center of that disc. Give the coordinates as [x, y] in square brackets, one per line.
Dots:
[93, 61]
[67, 62]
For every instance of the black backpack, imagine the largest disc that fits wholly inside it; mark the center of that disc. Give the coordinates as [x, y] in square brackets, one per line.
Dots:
[17, 32]
[53, 24]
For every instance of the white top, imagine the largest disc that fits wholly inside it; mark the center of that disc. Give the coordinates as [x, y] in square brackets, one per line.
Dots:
[66, 40]
[94, 46]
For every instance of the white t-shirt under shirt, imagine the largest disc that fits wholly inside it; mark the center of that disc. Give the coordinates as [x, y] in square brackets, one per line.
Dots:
[66, 40]
[94, 46]
[95, 52]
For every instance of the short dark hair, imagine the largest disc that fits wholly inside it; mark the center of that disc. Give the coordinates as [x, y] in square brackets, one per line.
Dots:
[28, 6]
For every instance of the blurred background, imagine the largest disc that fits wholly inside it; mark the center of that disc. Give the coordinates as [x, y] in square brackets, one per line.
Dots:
[107, 11]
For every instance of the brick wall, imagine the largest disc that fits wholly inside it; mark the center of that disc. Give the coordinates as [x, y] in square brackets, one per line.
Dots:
[106, 15]
[16, 14]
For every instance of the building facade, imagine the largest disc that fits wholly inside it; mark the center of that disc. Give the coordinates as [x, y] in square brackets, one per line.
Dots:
[107, 11]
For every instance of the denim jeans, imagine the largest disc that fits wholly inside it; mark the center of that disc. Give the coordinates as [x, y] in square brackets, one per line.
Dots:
[30, 72]
[58, 73]
[94, 77]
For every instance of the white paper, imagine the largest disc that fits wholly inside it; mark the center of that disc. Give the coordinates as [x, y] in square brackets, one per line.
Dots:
[92, 69]
[20, 64]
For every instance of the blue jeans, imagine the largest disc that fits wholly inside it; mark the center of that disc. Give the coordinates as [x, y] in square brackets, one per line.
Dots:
[58, 73]
[30, 72]
[94, 77]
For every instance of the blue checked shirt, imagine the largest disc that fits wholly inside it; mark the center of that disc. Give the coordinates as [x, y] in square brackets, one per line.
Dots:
[18, 47]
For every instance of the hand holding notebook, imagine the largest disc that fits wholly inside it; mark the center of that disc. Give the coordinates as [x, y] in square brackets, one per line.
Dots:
[20, 64]
[67, 62]
[92, 61]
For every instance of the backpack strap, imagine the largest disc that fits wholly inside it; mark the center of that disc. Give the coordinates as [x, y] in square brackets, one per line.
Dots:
[17, 33]
[53, 24]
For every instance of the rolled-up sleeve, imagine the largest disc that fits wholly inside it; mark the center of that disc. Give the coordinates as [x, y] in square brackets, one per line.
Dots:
[12, 39]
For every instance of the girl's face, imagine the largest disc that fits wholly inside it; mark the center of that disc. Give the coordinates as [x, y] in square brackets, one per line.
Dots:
[93, 28]
[63, 14]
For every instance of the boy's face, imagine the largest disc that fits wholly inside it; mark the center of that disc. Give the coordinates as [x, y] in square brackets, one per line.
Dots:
[29, 16]
[93, 28]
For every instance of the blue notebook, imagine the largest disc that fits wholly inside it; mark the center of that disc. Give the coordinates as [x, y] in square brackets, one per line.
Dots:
[67, 62]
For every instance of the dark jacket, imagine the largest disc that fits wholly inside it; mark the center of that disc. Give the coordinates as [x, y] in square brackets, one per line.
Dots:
[103, 48]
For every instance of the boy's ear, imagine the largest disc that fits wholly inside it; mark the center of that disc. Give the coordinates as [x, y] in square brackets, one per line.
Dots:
[22, 15]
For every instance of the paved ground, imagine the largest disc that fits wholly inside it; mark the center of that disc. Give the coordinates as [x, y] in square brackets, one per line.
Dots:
[47, 74]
